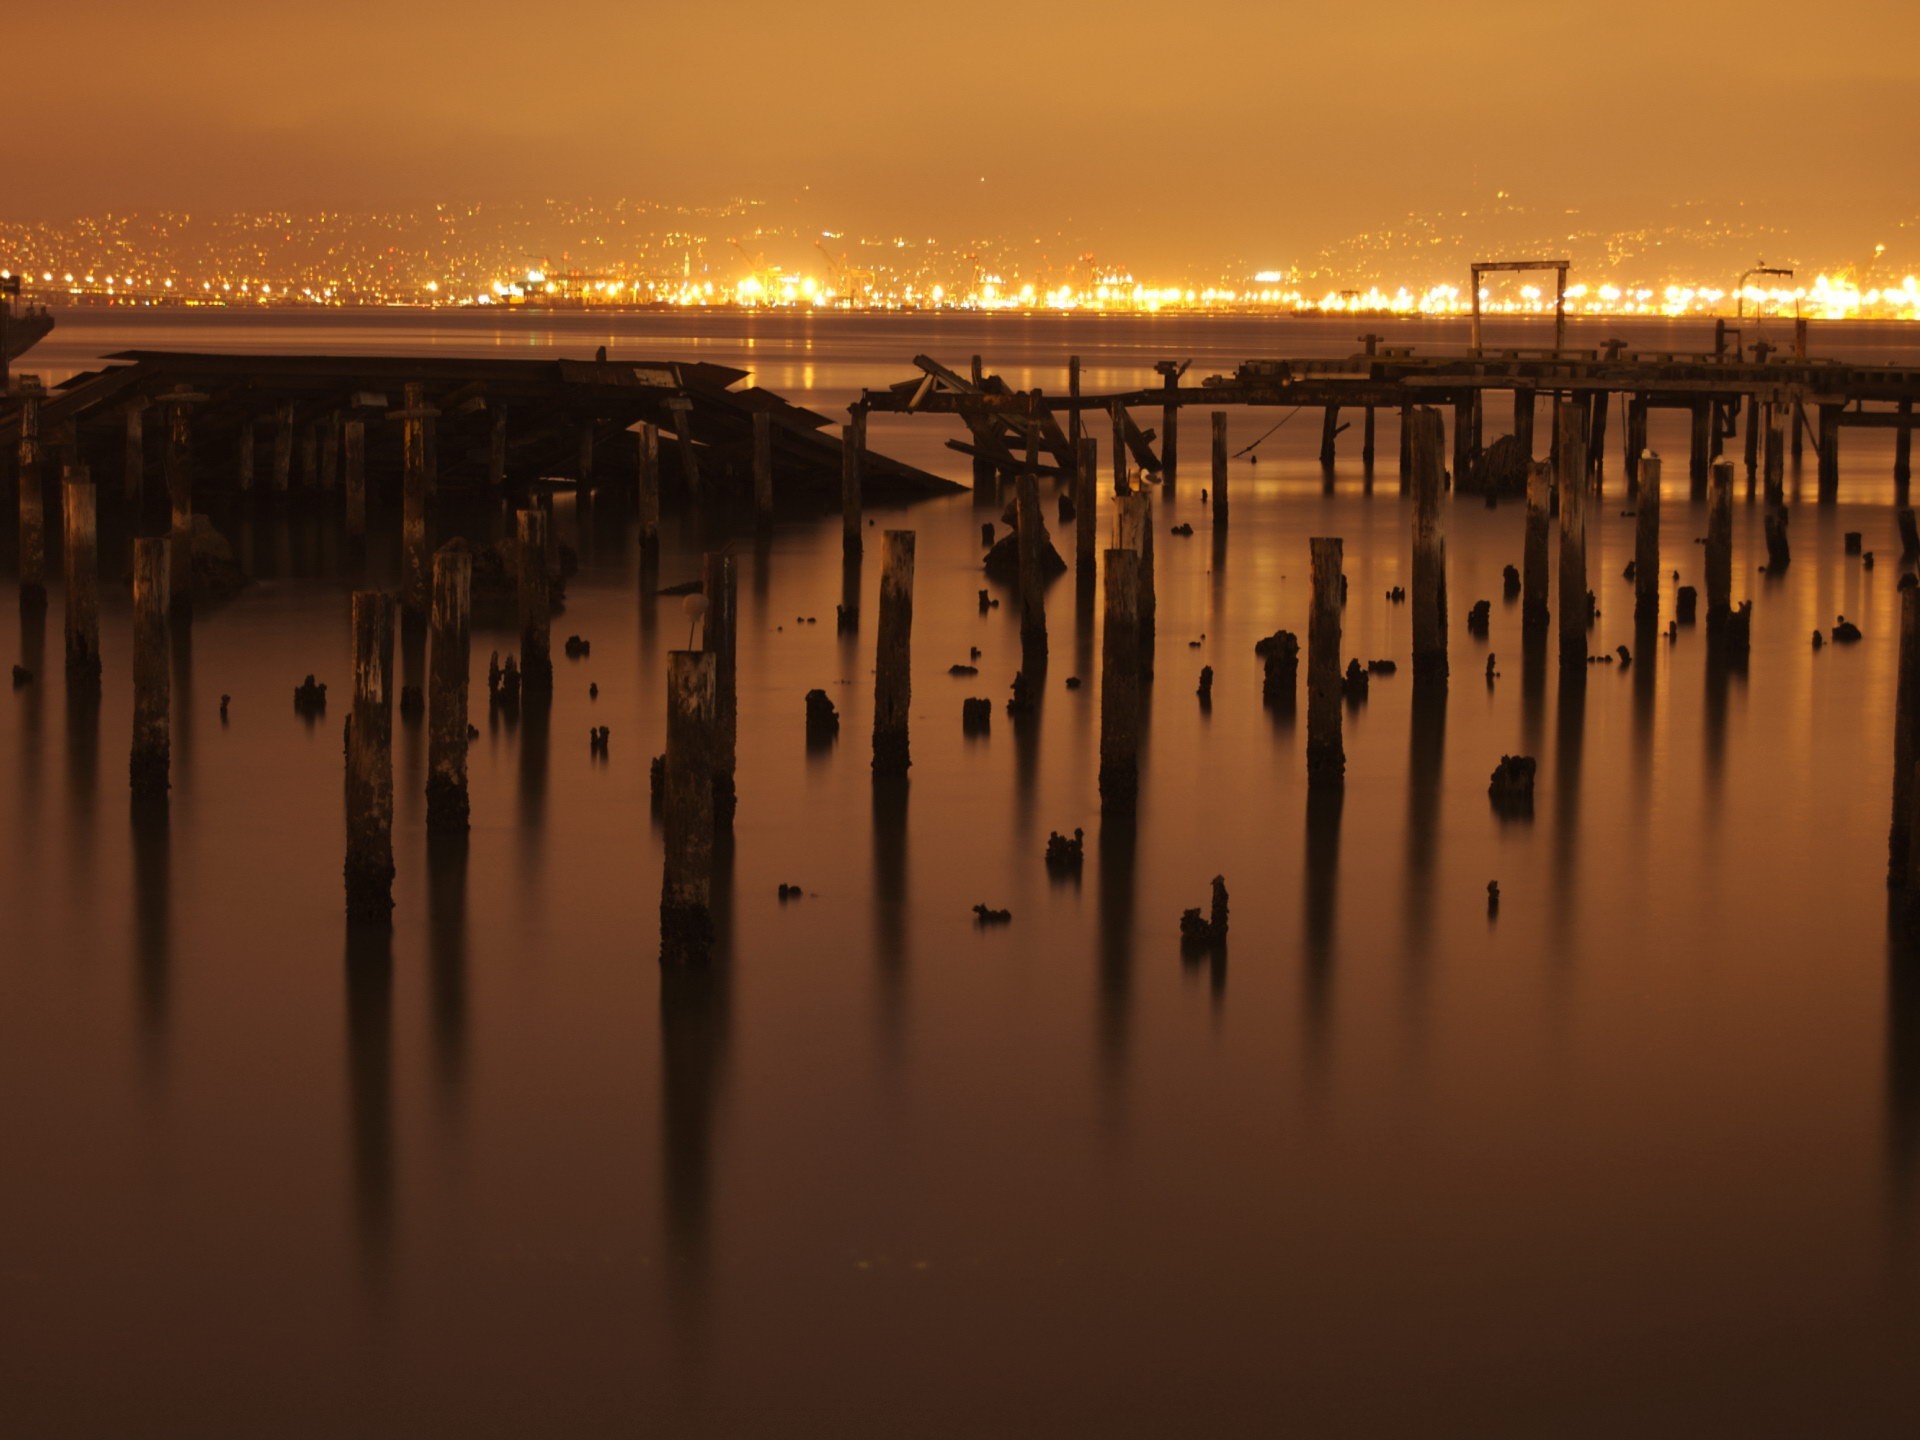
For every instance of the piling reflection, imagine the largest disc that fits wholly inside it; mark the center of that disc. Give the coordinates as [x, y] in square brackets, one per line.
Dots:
[890, 902]
[152, 843]
[83, 763]
[1714, 733]
[447, 856]
[1569, 740]
[847, 622]
[1425, 752]
[1119, 853]
[369, 964]
[1646, 675]
[536, 719]
[695, 1024]
[29, 702]
[1903, 1089]
[1533, 687]
[1318, 908]
[181, 638]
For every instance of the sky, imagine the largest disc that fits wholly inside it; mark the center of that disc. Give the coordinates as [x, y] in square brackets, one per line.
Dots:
[1164, 127]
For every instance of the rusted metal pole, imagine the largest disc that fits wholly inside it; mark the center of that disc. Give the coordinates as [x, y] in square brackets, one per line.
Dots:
[369, 867]
[1429, 551]
[893, 656]
[1575, 609]
[1120, 686]
[1646, 547]
[1719, 545]
[686, 880]
[149, 764]
[1220, 511]
[447, 687]
[33, 517]
[1906, 741]
[1326, 754]
[1534, 571]
[535, 600]
[356, 446]
[1033, 595]
[853, 447]
[763, 468]
[720, 639]
[81, 555]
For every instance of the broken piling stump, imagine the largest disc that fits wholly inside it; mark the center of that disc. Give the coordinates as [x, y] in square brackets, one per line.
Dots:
[152, 674]
[1511, 788]
[1326, 754]
[369, 864]
[1209, 933]
[686, 880]
[1280, 680]
[1120, 685]
[447, 677]
[823, 721]
[893, 656]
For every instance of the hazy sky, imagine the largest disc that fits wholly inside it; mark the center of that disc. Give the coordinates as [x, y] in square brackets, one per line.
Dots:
[1249, 124]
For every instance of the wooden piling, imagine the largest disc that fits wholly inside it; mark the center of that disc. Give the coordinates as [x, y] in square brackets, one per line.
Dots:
[1429, 551]
[720, 639]
[1326, 754]
[309, 457]
[689, 458]
[1170, 436]
[686, 881]
[1774, 491]
[369, 867]
[179, 466]
[447, 687]
[497, 447]
[133, 466]
[1903, 452]
[1329, 430]
[584, 469]
[1073, 414]
[1523, 401]
[1033, 595]
[648, 437]
[536, 641]
[1534, 570]
[330, 453]
[1775, 459]
[1120, 486]
[1906, 741]
[356, 447]
[81, 556]
[32, 508]
[853, 445]
[1571, 420]
[152, 673]
[1220, 509]
[243, 458]
[893, 656]
[1701, 457]
[1636, 440]
[282, 449]
[1086, 505]
[1597, 438]
[1646, 546]
[1134, 529]
[1830, 453]
[417, 552]
[1719, 557]
[1120, 685]
[1406, 447]
[763, 468]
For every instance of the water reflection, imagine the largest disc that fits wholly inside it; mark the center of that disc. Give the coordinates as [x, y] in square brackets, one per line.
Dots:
[536, 719]
[1119, 852]
[447, 958]
[1570, 723]
[1318, 908]
[153, 927]
[1425, 751]
[890, 904]
[180, 627]
[370, 1092]
[1903, 1087]
[695, 1024]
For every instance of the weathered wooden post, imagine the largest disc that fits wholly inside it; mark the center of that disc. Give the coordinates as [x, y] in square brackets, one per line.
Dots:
[1134, 529]
[180, 494]
[496, 446]
[1523, 398]
[1120, 486]
[1033, 594]
[243, 457]
[1329, 431]
[447, 687]
[1775, 462]
[649, 446]
[686, 881]
[682, 409]
[1220, 512]
[416, 550]
[1429, 551]
[1170, 430]
[1120, 686]
[893, 656]
[1903, 452]
[1906, 741]
[853, 446]
[1366, 441]
[149, 764]
[1597, 438]
[1830, 452]
[282, 448]
[1636, 440]
[720, 639]
[1701, 458]
[763, 468]
[81, 553]
[133, 468]
[1463, 440]
[1646, 547]
[584, 468]
[1073, 413]
[1326, 753]
[330, 452]
[33, 519]
[309, 457]
[1534, 570]
[1575, 609]
[1086, 505]
[1406, 447]
[1719, 546]
[369, 867]
[356, 445]
[1774, 491]
[536, 641]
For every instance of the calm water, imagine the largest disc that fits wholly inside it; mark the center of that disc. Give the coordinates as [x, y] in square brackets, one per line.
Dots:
[1636, 1156]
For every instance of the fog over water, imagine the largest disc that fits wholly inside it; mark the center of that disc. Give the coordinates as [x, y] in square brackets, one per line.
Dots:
[1641, 1152]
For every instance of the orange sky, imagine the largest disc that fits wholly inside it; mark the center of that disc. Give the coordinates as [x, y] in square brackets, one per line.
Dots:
[1255, 123]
